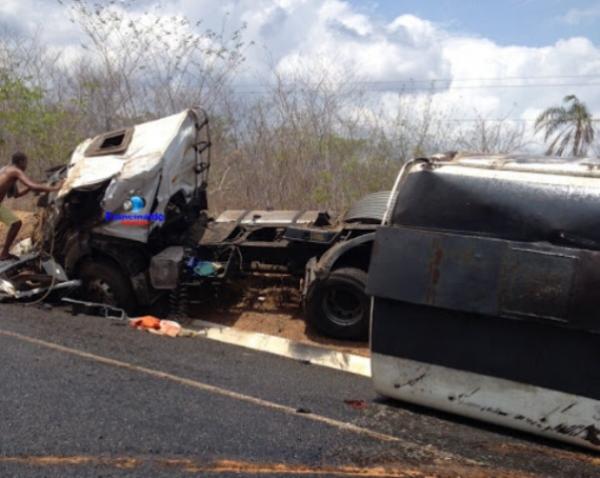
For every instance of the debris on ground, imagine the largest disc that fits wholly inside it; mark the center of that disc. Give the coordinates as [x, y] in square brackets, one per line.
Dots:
[93, 308]
[32, 276]
[154, 325]
[356, 404]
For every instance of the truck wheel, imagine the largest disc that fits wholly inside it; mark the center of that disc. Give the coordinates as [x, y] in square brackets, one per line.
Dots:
[104, 283]
[338, 306]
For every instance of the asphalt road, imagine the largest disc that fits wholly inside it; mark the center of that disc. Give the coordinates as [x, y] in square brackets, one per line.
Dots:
[88, 397]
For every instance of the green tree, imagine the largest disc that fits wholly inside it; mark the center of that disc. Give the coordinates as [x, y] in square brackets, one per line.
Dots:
[28, 122]
[569, 124]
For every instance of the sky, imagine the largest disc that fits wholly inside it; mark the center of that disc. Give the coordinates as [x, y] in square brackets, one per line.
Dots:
[492, 59]
[532, 23]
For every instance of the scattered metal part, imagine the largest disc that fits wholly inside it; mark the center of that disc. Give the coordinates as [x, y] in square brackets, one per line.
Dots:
[94, 308]
[54, 269]
[7, 288]
[5, 266]
[39, 290]
[29, 276]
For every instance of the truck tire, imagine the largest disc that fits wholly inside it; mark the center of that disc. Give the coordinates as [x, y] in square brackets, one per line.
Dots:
[338, 306]
[105, 283]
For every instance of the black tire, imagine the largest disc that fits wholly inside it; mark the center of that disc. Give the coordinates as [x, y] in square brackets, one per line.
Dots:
[338, 306]
[105, 283]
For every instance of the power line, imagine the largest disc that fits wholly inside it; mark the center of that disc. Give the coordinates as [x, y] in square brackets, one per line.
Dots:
[553, 85]
[502, 78]
[491, 120]
[408, 86]
[524, 85]
[430, 84]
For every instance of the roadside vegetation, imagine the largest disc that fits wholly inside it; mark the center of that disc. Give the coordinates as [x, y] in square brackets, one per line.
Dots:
[306, 139]
[568, 129]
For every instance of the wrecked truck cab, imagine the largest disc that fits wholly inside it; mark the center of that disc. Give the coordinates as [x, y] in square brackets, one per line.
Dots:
[127, 195]
[484, 280]
[154, 161]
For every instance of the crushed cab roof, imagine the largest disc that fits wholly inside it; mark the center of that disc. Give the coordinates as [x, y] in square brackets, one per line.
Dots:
[150, 142]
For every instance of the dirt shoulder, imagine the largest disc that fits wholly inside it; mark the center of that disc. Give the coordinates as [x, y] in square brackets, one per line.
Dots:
[268, 306]
[29, 220]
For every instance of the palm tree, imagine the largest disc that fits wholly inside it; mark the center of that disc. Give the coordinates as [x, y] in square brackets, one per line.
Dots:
[571, 123]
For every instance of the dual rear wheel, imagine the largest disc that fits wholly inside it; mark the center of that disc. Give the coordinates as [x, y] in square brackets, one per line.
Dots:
[338, 306]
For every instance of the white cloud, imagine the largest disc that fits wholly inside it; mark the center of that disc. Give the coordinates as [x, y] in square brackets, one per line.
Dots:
[46, 18]
[539, 70]
[313, 33]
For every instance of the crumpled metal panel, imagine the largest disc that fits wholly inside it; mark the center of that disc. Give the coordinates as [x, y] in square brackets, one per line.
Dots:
[149, 143]
[159, 161]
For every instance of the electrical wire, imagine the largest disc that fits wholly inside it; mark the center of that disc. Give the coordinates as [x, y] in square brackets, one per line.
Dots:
[434, 84]
[52, 282]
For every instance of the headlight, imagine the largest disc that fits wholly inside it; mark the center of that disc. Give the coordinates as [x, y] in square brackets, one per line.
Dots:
[134, 203]
[137, 203]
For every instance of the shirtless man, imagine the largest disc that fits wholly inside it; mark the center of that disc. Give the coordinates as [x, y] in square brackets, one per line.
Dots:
[10, 176]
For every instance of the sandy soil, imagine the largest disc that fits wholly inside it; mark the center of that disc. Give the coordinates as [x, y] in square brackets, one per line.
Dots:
[28, 219]
[270, 307]
[266, 305]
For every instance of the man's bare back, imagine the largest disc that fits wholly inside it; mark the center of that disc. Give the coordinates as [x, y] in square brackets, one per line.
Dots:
[11, 176]
[8, 180]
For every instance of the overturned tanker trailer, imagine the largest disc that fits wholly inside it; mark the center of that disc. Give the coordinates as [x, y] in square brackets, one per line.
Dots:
[485, 280]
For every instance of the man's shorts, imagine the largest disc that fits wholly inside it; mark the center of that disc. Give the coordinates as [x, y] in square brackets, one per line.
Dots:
[7, 216]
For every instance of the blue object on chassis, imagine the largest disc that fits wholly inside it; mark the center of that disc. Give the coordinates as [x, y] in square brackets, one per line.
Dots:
[485, 280]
